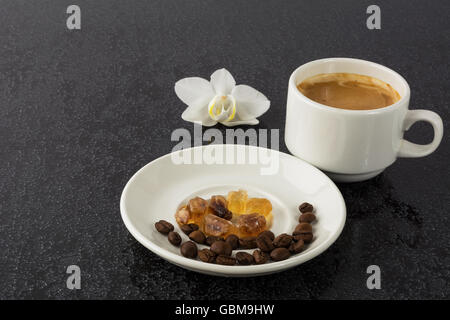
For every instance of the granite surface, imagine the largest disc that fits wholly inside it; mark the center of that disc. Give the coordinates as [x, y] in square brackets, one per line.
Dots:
[81, 111]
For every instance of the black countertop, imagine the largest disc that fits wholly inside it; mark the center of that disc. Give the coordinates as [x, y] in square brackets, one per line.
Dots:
[81, 111]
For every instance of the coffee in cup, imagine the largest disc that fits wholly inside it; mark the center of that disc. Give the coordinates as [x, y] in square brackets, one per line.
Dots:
[349, 91]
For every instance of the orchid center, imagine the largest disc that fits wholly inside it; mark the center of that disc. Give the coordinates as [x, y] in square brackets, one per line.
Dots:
[222, 108]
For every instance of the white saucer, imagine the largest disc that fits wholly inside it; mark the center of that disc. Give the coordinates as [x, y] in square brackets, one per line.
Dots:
[159, 188]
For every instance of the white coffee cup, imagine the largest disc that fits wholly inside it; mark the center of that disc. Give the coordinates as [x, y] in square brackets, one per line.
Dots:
[353, 145]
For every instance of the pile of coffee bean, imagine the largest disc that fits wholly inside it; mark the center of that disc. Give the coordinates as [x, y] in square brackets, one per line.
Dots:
[220, 249]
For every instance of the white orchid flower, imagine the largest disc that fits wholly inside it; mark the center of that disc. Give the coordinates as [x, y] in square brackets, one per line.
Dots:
[220, 100]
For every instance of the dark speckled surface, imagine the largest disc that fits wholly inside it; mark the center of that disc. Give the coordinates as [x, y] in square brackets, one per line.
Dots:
[82, 111]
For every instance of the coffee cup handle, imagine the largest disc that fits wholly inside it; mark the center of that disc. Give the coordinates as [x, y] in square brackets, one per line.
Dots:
[413, 150]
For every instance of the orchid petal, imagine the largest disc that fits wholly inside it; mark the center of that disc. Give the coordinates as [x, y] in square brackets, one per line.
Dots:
[240, 122]
[250, 102]
[195, 92]
[196, 115]
[222, 82]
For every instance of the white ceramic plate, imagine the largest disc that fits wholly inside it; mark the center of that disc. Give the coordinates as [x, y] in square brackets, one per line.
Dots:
[159, 188]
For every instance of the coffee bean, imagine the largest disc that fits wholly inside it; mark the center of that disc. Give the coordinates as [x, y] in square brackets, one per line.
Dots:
[188, 228]
[279, 254]
[219, 208]
[267, 233]
[305, 237]
[164, 227]
[303, 231]
[247, 243]
[221, 248]
[197, 236]
[207, 255]
[189, 249]
[174, 238]
[260, 256]
[297, 247]
[283, 240]
[307, 217]
[233, 241]
[244, 258]
[305, 207]
[302, 228]
[211, 239]
[264, 242]
[225, 260]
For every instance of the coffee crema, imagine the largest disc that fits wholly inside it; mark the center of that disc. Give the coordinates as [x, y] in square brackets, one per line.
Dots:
[349, 91]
